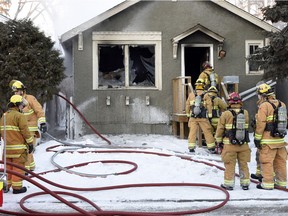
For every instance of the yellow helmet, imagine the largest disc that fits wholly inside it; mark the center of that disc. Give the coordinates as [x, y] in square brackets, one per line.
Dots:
[16, 85]
[213, 89]
[199, 84]
[18, 100]
[264, 89]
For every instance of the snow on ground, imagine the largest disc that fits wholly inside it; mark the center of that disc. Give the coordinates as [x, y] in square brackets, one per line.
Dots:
[168, 167]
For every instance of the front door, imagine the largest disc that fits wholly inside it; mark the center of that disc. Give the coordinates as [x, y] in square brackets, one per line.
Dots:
[193, 56]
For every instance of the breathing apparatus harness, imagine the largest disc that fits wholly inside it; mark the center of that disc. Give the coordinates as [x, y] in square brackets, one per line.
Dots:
[212, 79]
[238, 134]
[198, 109]
[215, 109]
[277, 126]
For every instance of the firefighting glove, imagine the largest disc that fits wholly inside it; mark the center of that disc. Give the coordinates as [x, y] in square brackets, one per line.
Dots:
[43, 127]
[257, 143]
[30, 148]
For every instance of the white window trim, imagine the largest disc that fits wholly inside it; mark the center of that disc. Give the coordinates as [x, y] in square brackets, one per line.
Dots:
[124, 38]
[260, 43]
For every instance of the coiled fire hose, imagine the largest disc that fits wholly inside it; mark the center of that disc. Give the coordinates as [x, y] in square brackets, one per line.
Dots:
[98, 210]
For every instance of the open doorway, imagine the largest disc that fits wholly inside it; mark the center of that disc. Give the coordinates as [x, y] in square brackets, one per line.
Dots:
[193, 56]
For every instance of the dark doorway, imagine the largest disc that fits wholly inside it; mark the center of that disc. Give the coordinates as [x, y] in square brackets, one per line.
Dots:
[193, 59]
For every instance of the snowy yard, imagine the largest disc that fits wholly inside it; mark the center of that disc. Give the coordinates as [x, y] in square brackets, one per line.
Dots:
[140, 160]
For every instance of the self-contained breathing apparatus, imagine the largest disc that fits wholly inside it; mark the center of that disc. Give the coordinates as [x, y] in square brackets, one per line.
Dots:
[238, 134]
[212, 78]
[198, 110]
[215, 109]
[277, 126]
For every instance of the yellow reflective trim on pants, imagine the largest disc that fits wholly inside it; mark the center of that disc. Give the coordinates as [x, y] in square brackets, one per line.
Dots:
[17, 184]
[229, 183]
[244, 181]
[267, 185]
[281, 184]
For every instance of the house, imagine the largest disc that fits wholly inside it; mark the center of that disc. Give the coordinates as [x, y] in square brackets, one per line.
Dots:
[122, 62]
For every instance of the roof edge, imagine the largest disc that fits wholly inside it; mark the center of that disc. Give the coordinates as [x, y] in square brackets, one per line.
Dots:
[245, 15]
[126, 4]
[94, 21]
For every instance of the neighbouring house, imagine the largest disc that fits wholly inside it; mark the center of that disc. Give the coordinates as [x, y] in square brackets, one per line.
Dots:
[122, 63]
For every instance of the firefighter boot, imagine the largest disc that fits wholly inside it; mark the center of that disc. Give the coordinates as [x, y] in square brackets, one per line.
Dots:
[212, 151]
[245, 187]
[226, 187]
[259, 186]
[258, 177]
[21, 190]
[191, 150]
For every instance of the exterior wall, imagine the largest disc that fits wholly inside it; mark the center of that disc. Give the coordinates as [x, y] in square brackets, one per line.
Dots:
[172, 19]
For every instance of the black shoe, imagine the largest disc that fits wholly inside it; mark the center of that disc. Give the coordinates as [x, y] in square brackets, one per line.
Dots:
[245, 187]
[226, 187]
[212, 151]
[22, 190]
[259, 186]
[192, 150]
[258, 177]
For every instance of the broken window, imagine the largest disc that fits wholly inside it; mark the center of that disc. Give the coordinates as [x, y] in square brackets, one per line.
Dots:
[112, 65]
[142, 65]
[127, 60]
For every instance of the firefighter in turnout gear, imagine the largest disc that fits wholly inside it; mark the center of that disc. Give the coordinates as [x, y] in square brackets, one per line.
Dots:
[257, 175]
[197, 113]
[269, 136]
[35, 115]
[232, 132]
[209, 76]
[19, 141]
[215, 106]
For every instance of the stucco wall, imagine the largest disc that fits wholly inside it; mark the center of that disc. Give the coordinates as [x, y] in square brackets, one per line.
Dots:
[172, 19]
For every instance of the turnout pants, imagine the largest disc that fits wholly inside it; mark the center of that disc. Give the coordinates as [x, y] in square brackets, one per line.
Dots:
[273, 161]
[13, 180]
[205, 126]
[231, 154]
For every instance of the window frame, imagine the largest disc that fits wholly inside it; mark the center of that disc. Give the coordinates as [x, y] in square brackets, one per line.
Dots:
[249, 43]
[127, 38]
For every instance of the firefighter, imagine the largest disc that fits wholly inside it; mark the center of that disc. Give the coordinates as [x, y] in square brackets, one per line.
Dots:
[271, 123]
[19, 141]
[215, 106]
[35, 115]
[257, 175]
[208, 75]
[232, 133]
[197, 113]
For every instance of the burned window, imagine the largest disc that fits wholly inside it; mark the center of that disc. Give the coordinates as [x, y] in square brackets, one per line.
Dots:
[127, 60]
[111, 66]
[142, 65]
